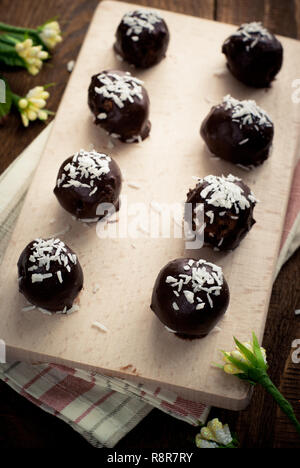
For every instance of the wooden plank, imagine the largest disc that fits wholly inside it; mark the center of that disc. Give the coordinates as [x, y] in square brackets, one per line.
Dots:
[281, 17]
[157, 430]
[204, 9]
[262, 425]
[142, 341]
[74, 18]
[282, 326]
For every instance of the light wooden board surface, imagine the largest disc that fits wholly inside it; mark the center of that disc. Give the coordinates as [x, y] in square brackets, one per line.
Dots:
[182, 89]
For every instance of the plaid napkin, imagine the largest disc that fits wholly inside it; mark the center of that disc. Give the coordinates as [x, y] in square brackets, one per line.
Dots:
[102, 409]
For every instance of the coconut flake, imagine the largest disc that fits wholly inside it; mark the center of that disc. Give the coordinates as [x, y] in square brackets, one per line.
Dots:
[27, 308]
[189, 295]
[224, 192]
[210, 214]
[59, 276]
[252, 33]
[200, 278]
[119, 89]
[70, 65]
[96, 288]
[246, 112]
[39, 277]
[84, 170]
[100, 326]
[140, 20]
[134, 185]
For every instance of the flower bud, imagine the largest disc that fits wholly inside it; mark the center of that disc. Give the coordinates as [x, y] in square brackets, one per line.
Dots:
[50, 34]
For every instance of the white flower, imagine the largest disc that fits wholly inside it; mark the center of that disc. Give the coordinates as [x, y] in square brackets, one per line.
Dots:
[32, 55]
[213, 434]
[50, 34]
[201, 443]
[32, 105]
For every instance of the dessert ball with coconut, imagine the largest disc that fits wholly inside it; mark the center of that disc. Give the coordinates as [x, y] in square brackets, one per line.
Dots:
[238, 131]
[227, 204]
[120, 105]
[254, 55]
[142, 38]
[190, 296]
[87, 180]
[50, 275]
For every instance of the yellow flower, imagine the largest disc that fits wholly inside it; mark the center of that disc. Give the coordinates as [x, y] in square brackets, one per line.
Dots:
[213, 435]
[248, 362]
[50, 34]
[32, 105]
[237, 354]
[33, 56]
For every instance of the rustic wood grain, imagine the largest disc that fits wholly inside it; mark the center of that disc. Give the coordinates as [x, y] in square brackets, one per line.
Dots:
[203, 8]
[261, 425]
[123, 345]
[279, 16]
[74, 18]
[269, 428]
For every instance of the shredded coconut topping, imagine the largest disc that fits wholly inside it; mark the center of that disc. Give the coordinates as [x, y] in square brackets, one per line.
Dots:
[199, 278]
[252, 32]
[47, 251]
[246, 112]
[140, 20]
[224, 192]
[84, 169]
[119, 88]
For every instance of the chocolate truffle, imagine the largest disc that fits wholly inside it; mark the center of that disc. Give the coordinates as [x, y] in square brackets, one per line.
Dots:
[50, 276]
[142, 38]
[228, 205]
[86, 180]
[254, 55]
[238, 131]
[190, 296]
[120, 104]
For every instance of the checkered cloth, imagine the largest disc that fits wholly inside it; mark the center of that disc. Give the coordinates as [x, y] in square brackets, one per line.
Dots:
[102, 409]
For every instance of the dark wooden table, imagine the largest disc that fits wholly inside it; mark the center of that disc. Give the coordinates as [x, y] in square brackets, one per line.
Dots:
[261, 425]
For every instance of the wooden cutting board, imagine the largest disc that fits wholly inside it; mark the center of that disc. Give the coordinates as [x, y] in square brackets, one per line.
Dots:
[182, 89]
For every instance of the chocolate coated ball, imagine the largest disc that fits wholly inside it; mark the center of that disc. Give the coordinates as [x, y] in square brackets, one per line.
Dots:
[142, 38]
[190, 296]
[50, 275]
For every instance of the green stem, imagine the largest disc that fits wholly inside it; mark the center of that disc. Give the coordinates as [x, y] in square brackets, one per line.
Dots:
[8, 40]
[15, 99]
[9, 28]
[285, 406]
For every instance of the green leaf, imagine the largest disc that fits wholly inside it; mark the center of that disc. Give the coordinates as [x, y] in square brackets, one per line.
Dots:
[240, 365]
[19, 37]
[246, 378]
[12, 60]
[6, 106]
[37, 40]
[14, 37]
[257, 352]
[49, 85]
[15, 29]
[7, 47]
[246, 352]
[215, 364]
